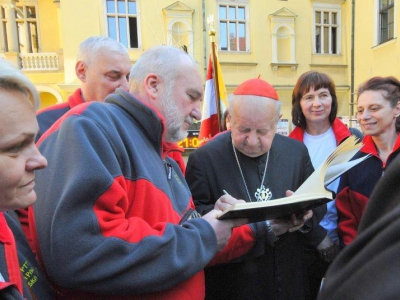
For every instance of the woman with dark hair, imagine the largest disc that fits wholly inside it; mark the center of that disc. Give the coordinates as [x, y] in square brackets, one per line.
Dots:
[378, 110]
[314, 108]
[306, 89]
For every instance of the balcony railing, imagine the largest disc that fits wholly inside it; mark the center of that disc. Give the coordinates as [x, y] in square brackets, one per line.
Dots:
[39, 61]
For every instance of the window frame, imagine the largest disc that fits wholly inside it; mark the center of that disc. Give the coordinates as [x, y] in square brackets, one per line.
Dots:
[330, 9]
[381, 11]
[25, 20]
[3, 31]
[246, 22]
[127, 15]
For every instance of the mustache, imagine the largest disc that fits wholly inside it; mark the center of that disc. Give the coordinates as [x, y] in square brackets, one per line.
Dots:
[189, 120]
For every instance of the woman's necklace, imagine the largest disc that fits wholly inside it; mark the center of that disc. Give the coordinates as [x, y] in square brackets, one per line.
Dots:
[262, 194]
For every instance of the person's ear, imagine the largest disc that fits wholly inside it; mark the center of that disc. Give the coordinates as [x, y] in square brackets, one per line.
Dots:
[80, 70]
[151, 85]
[397, 108]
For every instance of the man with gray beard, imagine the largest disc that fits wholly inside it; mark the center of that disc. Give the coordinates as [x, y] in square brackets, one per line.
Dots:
[111, 219]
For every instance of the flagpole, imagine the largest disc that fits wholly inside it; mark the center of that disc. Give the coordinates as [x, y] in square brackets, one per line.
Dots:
[215, 71]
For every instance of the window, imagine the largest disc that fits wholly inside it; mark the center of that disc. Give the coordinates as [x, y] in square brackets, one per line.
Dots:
[122, 22]
[326, 30]
[386, 20]
[3, 32]
[233, 27]
[27, 29]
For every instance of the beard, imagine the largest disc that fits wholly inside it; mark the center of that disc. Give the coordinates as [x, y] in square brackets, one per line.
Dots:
[174, 119]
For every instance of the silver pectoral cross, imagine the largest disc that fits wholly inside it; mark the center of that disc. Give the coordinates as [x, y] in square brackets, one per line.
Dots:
[263, 194]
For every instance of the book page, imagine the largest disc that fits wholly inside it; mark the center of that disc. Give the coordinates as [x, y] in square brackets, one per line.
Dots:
[335, 171]
[285, 200]
[335, 165]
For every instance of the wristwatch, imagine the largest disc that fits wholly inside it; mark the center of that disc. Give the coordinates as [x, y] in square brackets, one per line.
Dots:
[271, 233]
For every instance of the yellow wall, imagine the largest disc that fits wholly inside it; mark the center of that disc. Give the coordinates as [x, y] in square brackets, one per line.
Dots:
[49, 29]
[257, 61]
[79, 20]
[372, 59]
[65, 24]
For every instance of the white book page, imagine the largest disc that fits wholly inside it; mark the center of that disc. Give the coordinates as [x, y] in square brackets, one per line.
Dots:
[335, 165]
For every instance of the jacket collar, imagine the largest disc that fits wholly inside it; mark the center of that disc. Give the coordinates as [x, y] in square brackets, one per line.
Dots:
[369, 145]
[148, 119]
[340, 131]
[76, 98]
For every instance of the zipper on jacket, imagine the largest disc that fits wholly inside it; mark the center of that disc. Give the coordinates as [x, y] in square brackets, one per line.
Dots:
[168, 168]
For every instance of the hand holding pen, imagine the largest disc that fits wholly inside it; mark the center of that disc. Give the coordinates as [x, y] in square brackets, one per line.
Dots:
[226, 201]
[219, 205]
[223, 229]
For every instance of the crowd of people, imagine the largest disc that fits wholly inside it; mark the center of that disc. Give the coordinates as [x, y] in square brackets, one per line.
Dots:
[96, 201]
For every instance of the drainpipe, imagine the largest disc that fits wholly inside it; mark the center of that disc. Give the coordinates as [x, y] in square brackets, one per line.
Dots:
[351, 108]
[204, 38]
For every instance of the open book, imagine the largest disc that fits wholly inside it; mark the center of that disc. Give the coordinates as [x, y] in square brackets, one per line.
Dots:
[310, 194]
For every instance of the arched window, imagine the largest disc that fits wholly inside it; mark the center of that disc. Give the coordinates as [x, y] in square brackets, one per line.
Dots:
[283, 39]
[179, 19]
[179, 35]
[284, 45]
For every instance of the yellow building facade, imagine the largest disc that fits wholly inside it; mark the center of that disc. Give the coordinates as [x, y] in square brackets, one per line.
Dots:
[275, 39]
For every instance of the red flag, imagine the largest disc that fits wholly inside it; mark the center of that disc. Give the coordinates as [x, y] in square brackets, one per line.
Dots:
[209, 121]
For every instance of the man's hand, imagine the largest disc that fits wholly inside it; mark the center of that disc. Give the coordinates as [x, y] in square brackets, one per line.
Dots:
[223, 228]
[328, 249]
[297, 222]
[226, 201]
[281, 226]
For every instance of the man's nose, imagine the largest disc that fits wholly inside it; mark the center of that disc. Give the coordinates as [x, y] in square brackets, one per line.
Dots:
[124, 84]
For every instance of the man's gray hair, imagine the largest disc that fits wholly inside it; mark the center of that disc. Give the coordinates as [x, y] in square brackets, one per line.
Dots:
[12, 79]
[90, 47]
[165, 61]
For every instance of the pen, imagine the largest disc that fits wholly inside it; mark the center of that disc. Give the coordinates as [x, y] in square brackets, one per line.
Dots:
[225, 192]
[186, 216]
